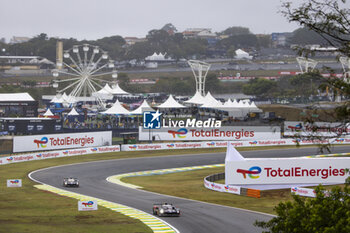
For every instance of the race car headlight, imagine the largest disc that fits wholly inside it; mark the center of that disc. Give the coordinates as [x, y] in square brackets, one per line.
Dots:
[161, 211]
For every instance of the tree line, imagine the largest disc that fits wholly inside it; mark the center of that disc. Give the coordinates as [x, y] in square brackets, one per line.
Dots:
[175, 45]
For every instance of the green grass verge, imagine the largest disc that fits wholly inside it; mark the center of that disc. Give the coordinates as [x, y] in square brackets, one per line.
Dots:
[28, 209]
[192, 188]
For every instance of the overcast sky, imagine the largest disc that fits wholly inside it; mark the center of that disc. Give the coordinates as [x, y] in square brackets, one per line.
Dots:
[93, 19]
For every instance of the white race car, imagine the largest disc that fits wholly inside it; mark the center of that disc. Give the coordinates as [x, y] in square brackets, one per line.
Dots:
[165, 209]
[70, 182]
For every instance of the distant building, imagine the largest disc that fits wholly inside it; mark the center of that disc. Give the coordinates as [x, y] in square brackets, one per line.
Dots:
[280, 38]
[17, 65]
[133, 40]
[19, 39]
[25, 60]
[196, 32]
[3, 40]
[202, 33]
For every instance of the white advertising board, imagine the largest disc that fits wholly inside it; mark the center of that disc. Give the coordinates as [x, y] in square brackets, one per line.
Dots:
[325, 129]
[303, 192]
[222, 187]
[215, 144]
[287, 171]
[61, 141]
[227, 133]
[57, 154]
[87, 205]
[14, 183]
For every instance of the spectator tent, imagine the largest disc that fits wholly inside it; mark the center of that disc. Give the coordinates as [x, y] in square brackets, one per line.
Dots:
[171, 103]
[196, 99]
[116, 109]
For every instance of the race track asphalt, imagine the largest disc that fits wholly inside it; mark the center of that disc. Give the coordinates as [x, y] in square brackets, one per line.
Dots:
[197, 217]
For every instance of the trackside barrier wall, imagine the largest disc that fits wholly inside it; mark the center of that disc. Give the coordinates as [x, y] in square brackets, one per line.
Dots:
[210, 184]
[57, 154]
[218, 144]
[306, 192]
[161, 146]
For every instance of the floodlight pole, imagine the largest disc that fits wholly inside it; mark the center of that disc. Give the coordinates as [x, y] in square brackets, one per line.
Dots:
[305, 64]
[200, 70]
[345, 62]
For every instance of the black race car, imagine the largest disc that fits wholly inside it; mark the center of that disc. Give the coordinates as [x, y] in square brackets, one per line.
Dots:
[70, 182]
[165, 209]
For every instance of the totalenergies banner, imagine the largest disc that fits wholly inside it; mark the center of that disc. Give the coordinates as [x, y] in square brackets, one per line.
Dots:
[325, 129]
[306, 192]
[287, 171]
[222, 187]
[57, 154]
[217, 144]
[61, 141]
[227, 133]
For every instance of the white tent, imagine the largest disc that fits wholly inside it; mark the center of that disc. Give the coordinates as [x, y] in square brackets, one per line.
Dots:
[240, 54]
[143, 107]
[118, 91]
[211, 102]
[15, 97]
[71, 99]
[155, 57]
[171, 103]
[104, 93]
[234, 102]
[117, 108]
[196, 99]
[253, 105]
[65, 97]
[48, 113]
[228, 104]
[54, 99]
[73, 112]
[59, 100]
[105, 90]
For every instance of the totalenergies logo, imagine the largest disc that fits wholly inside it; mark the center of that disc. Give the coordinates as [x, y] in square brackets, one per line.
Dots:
[181, 133]
[66, 152]
[134, 147]
[340, 140]
[88, 204]
[253, 172]
[170, 145]
[211, 143]
[297, 140]
[93, 149]
[9, 159]
[42, 142]
[253, 143]
[14, 181]
[39, 155]
[297, 127]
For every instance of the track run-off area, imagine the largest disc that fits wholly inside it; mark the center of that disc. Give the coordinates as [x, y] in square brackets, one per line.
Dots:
[195, 216]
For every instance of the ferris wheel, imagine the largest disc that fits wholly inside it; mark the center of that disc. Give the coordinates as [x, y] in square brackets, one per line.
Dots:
[85, 65]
